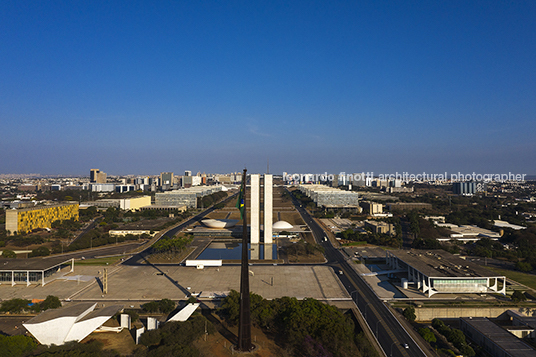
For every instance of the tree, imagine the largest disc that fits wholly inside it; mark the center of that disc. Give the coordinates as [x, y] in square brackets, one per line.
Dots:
[133, 315]
[39, 252]
[150, 307]
[151, 338]
[231, 307]
[467, 350]
[437, 324]
[92, 348]
[456, 337]
[523, 266]
[166, 306]
[51, 302]
[307, 327]
[518, 296]
[427, 334]
[414, 225]
[14, 346]
[176, 338]
[409, 313]
[9, 254]
[15, 305]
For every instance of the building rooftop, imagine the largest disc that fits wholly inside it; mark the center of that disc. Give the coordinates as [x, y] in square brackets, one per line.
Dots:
[104, 312]
[31, 264]
[46, 206]
[502, 338]
[68, 311]
[473, 231]
[70, 323]
[529, 321]
[438, 263]
[504, 224]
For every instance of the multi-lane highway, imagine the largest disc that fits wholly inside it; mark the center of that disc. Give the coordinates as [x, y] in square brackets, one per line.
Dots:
[391, 335]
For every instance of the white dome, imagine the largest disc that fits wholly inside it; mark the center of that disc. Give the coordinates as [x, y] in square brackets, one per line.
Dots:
[282, 225]
[219, 223]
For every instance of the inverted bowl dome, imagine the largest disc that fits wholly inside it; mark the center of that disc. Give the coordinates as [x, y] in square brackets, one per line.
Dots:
[219, 223]
[282, 225]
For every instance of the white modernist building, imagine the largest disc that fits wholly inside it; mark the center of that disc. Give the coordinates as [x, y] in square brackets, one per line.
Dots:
[72, 323]
[255, 230]
[331, 197]
[268, 207]
[185, 313]
[437, 271]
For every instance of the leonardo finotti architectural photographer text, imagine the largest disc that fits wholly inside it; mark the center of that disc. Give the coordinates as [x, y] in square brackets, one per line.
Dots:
[406, 176]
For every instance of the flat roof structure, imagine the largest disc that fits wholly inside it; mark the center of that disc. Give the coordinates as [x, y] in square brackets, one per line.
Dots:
[472, 231]
[493, 339]
[181, 208]
[523, 320]
[437, 271]
[71, 323]
[186, 196]
[407, 206]
[69, 311]
[504, 224]
[330, 197]
[32, 270]
[203, 231]
[185, 313]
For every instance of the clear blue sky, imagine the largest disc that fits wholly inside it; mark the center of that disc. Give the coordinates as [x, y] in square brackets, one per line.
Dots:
[140, 87]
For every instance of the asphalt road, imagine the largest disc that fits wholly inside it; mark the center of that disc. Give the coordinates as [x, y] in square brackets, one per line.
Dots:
[102, 251]
[89, 227]
[390, 333]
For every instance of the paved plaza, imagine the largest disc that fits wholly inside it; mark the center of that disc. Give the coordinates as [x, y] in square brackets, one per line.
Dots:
[144, 283]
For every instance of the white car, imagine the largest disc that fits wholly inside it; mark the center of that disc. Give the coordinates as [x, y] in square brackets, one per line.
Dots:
[405, 345]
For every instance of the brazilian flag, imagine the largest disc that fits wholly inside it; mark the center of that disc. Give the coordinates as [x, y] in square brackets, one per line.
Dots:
[240, 202]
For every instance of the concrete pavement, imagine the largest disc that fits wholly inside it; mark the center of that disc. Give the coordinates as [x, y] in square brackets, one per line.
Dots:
[147, 282]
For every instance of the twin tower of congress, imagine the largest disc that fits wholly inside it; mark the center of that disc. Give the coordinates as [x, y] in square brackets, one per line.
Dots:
[255, 216]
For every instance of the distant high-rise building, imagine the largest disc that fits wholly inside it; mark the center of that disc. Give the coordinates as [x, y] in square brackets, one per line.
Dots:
[187, 173]
[335, 182]
[395, 183]
[256, 208]
[166, 179]
[372, 207]
[464, 188]
[187, 181]
[96, 176]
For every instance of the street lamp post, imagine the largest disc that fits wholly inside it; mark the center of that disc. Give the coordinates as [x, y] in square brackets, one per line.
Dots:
[366, 309]
[377, 322]
[356, 297]
[391, 354]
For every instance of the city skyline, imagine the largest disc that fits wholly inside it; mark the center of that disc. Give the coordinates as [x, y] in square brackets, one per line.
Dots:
[311, 87]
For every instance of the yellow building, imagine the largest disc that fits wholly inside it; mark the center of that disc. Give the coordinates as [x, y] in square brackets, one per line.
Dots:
[134, 203]
[27, 219]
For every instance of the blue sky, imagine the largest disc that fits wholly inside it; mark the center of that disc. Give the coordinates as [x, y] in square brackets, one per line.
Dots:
[139, 87]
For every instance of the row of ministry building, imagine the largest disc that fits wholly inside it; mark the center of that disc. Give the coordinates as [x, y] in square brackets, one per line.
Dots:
[23, 220]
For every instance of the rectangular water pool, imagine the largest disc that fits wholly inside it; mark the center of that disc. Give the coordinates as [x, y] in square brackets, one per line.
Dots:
[233, 251]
